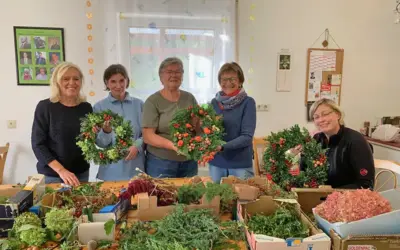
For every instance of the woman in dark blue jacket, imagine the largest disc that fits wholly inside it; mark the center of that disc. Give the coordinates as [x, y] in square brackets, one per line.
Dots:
[239, 120]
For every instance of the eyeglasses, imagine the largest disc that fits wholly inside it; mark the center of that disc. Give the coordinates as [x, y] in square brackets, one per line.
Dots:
[322, 115]
[232, 79]
[170, 72]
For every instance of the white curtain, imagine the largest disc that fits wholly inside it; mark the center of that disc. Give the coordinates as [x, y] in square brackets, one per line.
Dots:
[141, 33]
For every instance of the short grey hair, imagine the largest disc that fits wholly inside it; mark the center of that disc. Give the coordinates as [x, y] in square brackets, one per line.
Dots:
[331, 104]
[169, 61]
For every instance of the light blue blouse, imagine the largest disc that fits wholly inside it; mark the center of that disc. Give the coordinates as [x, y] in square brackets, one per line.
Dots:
[130, 109]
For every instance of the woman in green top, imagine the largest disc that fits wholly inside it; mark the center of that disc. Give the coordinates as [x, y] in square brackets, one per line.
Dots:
[162, 159]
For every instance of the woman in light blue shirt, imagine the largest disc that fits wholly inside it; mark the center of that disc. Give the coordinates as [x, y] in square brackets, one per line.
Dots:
[130, 108]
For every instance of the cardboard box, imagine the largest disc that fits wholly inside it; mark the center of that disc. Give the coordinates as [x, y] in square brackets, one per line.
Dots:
[119, 210]
[95, 230]
[366, 242]
[383, 224]
[244, 191]
[149, 211]
[36, 184]
[19, 201]
[309, 198]
[267, 205]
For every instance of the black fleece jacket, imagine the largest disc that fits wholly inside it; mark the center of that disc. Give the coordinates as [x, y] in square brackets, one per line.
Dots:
[350, 157]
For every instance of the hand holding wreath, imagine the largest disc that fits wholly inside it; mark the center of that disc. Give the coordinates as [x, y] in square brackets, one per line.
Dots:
[197, 132]
[286, 151]
[108, 121]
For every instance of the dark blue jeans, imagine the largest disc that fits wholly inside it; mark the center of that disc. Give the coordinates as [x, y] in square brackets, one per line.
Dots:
[161, 168]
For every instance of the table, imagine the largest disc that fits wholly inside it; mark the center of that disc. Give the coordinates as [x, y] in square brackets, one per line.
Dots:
[132, 214]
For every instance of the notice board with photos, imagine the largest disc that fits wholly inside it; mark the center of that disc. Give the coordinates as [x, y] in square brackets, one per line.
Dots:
[324, 75]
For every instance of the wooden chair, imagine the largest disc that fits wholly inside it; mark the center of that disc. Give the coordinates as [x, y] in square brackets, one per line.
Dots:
[259, 145]
[3, 157]
[386, 172]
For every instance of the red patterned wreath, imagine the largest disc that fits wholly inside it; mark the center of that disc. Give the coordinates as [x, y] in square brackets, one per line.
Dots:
[283, 155]
[200, 145]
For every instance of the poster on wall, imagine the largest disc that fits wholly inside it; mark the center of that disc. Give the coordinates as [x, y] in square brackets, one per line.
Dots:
[37, 51]
[284, 70]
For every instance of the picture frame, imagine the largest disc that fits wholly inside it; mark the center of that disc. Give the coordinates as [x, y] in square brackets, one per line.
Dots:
[38, 50]
[284, 62]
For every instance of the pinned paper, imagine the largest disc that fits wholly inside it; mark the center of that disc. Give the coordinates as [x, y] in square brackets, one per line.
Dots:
[89, 15]
[336, 79]
[92, 93]
[252, 18]
[88, 3]
[89, 26]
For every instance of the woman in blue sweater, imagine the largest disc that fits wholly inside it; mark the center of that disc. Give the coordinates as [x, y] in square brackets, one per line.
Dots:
[239, 117]
[130, 108]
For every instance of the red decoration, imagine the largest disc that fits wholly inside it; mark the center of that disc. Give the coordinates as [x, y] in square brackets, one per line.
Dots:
[363, 172]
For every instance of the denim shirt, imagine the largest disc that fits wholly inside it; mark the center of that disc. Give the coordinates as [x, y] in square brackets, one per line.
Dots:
[130, 109]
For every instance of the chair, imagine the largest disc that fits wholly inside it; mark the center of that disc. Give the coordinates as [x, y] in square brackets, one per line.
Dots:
[3, 157]
[388, 171]
[259, 145]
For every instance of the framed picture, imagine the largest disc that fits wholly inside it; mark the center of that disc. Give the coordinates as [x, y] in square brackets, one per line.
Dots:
[37, 51]
[284, 61]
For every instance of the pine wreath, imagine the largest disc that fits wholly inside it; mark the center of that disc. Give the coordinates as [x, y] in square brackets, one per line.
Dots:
[199, 147]
[91, 124]
[283, 167]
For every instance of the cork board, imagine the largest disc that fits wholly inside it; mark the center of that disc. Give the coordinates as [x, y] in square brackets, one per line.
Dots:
[324, 75]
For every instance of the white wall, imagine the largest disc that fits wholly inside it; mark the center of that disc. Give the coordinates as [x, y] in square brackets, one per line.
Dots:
[364, 28]
[19, 102]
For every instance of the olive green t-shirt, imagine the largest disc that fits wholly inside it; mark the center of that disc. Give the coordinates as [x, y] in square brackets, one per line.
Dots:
[157, 113]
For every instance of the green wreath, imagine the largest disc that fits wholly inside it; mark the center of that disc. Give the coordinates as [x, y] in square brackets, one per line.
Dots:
[91, 125]
[200, 147]
[282, 159]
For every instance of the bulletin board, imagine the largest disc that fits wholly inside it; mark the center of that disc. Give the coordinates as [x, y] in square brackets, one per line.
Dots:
[324, 75]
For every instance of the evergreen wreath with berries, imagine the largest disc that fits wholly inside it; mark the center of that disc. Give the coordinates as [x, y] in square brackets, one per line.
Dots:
[283, 166]
[91, 124]
[200, 146]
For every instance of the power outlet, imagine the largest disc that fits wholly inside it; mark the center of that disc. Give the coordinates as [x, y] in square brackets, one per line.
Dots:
[11, 124]
[262, 107]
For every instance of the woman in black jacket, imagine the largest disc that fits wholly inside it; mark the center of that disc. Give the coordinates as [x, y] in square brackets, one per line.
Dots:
[351, 163]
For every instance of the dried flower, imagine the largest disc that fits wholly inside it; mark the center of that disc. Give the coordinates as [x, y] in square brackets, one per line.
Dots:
[352, 205]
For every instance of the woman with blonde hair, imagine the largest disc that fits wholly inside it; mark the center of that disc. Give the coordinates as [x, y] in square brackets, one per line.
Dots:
[351, 163]
[56, 125]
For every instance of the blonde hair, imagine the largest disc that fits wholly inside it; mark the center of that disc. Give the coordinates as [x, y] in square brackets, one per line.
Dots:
[56, 78]
[331, 104]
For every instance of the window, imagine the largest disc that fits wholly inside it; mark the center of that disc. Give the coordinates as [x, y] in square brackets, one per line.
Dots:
[201, 35]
